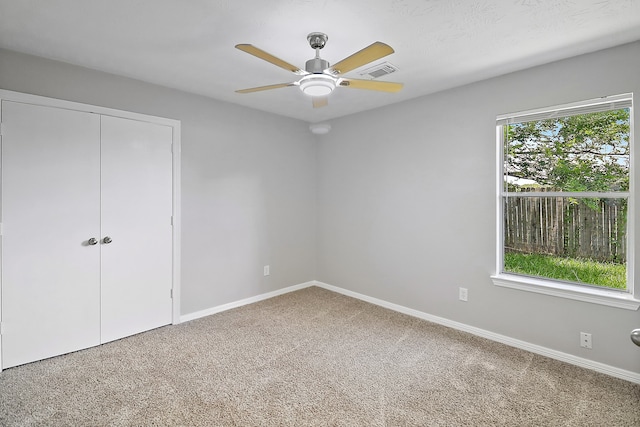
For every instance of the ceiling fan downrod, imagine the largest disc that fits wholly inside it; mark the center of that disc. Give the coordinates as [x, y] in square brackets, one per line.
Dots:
[317, 65]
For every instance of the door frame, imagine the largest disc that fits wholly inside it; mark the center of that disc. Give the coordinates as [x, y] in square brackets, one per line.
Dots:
[7, 95]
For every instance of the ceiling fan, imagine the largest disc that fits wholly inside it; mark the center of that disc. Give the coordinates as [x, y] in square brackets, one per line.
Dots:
[319, 79]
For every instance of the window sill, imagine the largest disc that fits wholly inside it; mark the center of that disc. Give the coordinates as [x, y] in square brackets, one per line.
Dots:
[565, 290]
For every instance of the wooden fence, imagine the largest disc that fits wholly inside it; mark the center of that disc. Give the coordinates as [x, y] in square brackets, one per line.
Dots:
[593, 229]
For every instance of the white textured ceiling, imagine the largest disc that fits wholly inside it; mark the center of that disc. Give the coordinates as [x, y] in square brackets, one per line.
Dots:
[189, 44]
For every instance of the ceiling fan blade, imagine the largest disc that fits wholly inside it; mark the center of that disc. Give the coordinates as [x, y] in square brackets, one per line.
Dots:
[371, 85]
[320, 101]
[250, 49]
[261, 88]
[370, 53]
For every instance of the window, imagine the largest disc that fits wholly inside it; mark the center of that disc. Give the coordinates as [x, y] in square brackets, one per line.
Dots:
[564, 201]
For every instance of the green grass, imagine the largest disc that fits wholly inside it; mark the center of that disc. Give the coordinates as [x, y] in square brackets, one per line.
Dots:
[584, 271]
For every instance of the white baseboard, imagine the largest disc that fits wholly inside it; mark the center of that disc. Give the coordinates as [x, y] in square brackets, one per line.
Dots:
[633, 377]
[240, 303]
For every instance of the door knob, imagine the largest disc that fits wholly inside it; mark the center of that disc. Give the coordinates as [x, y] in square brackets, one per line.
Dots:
[92, 241]
[107, 240]
[635, 336]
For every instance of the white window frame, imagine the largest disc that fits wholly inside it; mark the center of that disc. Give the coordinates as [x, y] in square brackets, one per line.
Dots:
[629, 299]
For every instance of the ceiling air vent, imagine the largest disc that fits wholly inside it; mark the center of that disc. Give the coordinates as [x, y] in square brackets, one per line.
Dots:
[379, 70]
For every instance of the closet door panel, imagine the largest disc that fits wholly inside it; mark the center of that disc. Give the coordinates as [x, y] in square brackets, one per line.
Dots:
[50, 209]
[136, 214]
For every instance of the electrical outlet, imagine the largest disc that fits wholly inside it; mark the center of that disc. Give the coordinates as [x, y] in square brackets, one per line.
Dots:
[463, 294]
[266, 270]
[585, 340]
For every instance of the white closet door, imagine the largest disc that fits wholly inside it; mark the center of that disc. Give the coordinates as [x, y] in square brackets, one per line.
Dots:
[50, 209]
[136, 215]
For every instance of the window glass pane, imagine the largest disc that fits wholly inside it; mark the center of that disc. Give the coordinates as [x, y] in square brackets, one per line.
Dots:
[587, 152]
[580, 240]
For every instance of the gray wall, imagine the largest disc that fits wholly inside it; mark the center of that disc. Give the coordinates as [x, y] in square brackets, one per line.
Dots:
[248, 179]
[407, 206]
[396, 203]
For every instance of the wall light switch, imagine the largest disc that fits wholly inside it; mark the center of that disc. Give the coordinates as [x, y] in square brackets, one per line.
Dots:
[266, 270]
[463, 294]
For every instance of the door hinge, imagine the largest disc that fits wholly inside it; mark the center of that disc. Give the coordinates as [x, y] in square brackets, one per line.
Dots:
[171, 293]
[1, 229]
[2, 328]
[171, 219]
[1, 128]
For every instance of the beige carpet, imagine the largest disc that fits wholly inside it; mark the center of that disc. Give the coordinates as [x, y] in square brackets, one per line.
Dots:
[311, 358]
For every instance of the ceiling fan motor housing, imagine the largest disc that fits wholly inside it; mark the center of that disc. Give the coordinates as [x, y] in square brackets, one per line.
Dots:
[316, 65]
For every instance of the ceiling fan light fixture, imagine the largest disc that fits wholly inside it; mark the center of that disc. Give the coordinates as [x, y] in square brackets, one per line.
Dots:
[317, 85]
